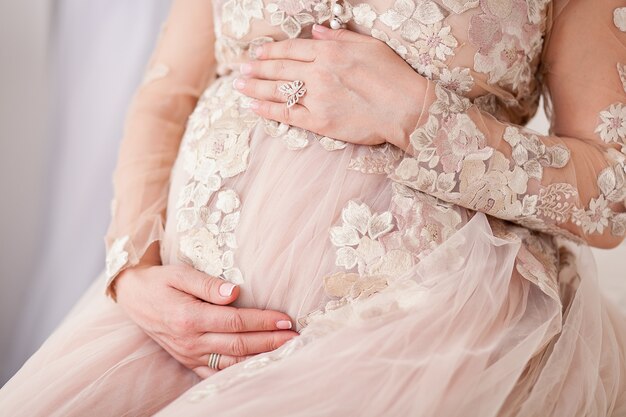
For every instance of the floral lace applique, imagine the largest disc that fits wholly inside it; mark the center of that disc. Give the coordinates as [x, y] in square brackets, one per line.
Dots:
[379, 159]
[238, 14]
[619, 18]
[458, 79]
[409, 17]
[330, 144]
[612, 127]
[460, 6]
[289, 15]
[507, 44]
[117, 256]
[451, 160]
[215, 147]
[293, 137]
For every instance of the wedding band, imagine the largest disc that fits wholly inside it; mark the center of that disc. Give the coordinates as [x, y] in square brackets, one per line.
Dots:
[214, 360]
[293, 90]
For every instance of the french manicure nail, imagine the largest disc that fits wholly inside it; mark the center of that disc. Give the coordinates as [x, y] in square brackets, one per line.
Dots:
[254, 104]
[283, 324]
[245, 68]
[319, 28]
[226, 289]
[238, 83]
[258, 51]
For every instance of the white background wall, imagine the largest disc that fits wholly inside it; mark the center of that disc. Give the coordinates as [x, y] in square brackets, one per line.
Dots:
[24, 27]
[40, 237]
[93, 53]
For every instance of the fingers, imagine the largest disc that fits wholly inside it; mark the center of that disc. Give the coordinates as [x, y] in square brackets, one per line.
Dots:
[226, 319]
[296, 49]
[244, 344]
[326, 33]
[261, 89]
[296, 115]
[274, 69]
[224, 361]
[205, 287]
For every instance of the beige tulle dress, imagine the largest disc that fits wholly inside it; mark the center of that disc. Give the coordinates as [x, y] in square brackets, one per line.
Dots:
[450, 277]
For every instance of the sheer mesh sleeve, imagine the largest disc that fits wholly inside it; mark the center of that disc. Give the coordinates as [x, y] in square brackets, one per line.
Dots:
[570, 182]
[181, 67]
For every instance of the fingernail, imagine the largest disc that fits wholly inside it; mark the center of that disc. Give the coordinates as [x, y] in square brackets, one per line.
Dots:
[226, 289]
[258, 51]
[319, 28]
[245, 68]
[283, 324]
[254, 104]
[238, 83]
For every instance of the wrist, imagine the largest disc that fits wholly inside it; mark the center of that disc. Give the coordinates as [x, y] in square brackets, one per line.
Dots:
[151, 257]
[409, 111]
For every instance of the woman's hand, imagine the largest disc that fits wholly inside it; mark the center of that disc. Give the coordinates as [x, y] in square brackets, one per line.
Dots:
[358, 89]
[185, 311]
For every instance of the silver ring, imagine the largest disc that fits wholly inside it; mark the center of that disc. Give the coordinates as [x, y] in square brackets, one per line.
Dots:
[293, 90]
[214, 360]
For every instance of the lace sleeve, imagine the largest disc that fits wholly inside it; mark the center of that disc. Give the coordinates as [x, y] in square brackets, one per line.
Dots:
[181, 67]
[570, 182]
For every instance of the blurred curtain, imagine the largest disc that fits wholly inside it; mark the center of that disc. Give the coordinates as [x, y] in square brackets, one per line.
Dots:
[98, 52]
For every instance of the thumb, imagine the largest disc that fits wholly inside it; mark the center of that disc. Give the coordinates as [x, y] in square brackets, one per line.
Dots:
[326, 33]
[203, 286]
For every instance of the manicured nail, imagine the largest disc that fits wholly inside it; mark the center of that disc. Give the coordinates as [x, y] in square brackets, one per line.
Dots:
[254, 104]
[245, 68]
[239, 83]
[319, 28]
[258, 51]
[283, 324]
[226, 289]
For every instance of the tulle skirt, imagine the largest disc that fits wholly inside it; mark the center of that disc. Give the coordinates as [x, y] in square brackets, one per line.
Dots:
[438, 321]
[462, 336]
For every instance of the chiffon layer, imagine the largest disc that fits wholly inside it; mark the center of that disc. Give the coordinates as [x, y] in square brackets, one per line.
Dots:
[460, 334]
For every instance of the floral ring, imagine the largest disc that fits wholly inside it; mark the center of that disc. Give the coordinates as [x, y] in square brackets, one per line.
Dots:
[293, 90]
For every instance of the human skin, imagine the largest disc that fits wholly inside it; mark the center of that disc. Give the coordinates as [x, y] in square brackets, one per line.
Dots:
[180, 307]
[186, 312]
[346, 98]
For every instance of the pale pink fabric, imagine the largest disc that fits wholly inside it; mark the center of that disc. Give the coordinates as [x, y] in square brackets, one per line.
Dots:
[489, 319]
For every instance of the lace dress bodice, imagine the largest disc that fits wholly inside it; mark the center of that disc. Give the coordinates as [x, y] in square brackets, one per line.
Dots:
[486, 62]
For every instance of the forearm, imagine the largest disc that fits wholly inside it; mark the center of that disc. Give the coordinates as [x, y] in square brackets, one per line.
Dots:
[560, 185]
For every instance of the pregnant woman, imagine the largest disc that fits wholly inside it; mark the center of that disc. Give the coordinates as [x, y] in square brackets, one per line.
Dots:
[333, 208]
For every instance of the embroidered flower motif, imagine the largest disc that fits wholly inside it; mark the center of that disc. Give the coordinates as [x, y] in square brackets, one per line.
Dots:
[507, 43]
[596, 218]
[227, 201]
[612, 127]
[364, 15]
[201, 249]
[330, 144]
[378, 159]
[360, 229]
[289, 15]
[457, 138]
[238, 14]
[437, 40]
[394, 44]
[117, 256]
[429, 53]
[619, 18]
[215, 147]
[407, 15]
[458, 80]
[460, 6]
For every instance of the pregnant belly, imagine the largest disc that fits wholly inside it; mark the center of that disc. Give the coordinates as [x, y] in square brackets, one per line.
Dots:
[294, 219]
